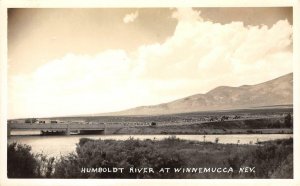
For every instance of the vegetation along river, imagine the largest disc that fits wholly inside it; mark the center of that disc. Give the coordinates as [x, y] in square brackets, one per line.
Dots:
[62, 145]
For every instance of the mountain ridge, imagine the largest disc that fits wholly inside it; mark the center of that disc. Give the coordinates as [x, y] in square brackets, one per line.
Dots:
[277, 91]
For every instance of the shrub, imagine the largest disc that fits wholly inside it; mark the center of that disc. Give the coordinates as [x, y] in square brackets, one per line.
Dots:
[288, 121]
[30, 120]
[22, 163]
[111, 153]
[272, 159]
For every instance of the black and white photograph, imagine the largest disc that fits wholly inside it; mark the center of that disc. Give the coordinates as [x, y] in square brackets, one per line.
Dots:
[112, 93]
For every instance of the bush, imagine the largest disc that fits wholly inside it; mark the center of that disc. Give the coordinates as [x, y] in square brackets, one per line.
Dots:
[153, 123]
[21, 163]
[272, 159]
[269, 159]
[110, 153]
[288, 121]
[30, 120]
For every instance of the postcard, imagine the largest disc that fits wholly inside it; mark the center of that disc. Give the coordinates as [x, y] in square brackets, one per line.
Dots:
[162, 93]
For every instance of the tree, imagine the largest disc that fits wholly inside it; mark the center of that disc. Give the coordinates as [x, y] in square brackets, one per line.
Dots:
[30, 120]
[288, 121]
[217, 140]
[20, 161]
[153, 123]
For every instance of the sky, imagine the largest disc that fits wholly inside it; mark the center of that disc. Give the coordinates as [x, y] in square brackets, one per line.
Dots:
[86, 61]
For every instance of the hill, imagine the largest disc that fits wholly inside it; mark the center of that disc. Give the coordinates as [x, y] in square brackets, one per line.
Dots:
[278, 91]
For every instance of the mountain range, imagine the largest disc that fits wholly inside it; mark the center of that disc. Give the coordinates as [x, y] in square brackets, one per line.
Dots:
[277, 91]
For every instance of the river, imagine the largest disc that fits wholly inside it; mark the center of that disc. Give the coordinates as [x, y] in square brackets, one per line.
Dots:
[62, 145]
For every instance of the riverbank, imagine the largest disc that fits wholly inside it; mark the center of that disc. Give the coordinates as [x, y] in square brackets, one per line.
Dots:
[272, 159]
[67, 144]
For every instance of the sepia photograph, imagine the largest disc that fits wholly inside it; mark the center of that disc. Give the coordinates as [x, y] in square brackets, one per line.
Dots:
[150, 93]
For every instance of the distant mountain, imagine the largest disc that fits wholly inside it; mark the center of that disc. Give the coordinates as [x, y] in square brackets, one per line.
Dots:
[278, 91]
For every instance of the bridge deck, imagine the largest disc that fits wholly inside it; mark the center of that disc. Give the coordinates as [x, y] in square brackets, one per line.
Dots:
[67, 127]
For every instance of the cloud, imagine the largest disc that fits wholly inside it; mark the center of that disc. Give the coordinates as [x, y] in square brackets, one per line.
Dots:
[204, 50]
[199, 56]
[128, 18]
[187, 14]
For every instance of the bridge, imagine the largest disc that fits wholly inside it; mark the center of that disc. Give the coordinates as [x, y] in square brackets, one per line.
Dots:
[59, 128]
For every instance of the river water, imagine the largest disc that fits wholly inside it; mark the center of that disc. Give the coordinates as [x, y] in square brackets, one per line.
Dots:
[62, 145]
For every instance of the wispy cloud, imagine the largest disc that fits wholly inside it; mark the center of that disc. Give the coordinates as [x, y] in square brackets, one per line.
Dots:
[128, 18]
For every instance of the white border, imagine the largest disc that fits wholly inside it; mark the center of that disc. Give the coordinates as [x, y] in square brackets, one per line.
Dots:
[144, 3]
